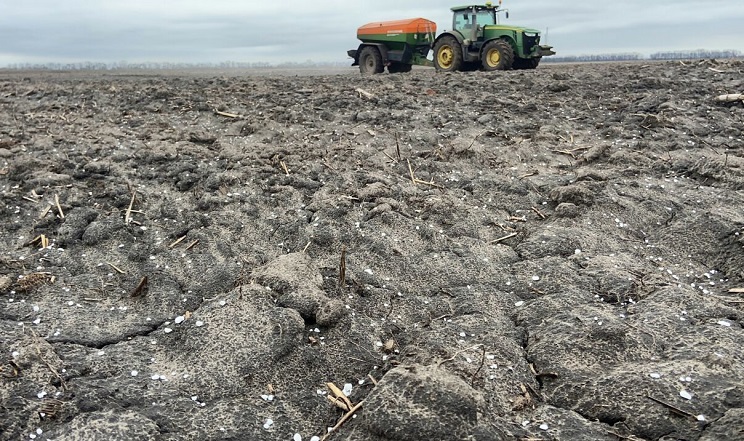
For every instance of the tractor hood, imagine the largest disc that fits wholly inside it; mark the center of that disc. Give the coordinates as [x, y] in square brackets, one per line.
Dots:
[511, 28]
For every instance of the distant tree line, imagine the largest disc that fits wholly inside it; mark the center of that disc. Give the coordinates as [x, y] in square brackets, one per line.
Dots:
[593, 57]
[697, 54]
[124, 65]
[675, 55]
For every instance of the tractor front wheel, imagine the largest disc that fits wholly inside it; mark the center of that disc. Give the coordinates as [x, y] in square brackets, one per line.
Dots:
[447, 54]
[370, 61]
[497, 55]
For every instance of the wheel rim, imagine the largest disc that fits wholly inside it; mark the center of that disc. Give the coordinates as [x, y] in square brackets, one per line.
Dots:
[445, 56]
[493, 58]
[369, 62]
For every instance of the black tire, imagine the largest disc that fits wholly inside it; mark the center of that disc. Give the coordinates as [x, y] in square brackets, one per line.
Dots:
[497, 55]
[526, 63]
[447, 54]
[399, 67]
[370, 61]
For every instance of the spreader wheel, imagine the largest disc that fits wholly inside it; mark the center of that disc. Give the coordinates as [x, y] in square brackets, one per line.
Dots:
[370, 61]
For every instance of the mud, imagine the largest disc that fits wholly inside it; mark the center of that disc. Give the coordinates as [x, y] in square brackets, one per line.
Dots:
[552, 255]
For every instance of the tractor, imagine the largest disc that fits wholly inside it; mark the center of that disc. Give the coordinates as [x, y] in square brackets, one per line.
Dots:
[476, 40]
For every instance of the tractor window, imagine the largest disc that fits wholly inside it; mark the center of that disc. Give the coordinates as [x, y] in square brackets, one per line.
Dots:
[467, 19]
[462, 20]
[486, 17]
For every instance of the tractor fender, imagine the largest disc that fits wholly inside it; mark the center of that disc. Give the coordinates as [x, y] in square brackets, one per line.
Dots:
[456, 35]
[381, 47]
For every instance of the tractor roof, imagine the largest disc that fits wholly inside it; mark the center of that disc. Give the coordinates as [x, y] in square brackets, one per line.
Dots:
[463, 7]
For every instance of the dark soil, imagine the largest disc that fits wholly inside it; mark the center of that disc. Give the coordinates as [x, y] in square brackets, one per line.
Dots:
[539, 255]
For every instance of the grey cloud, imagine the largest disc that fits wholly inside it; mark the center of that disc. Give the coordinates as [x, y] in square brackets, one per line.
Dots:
[322, 30]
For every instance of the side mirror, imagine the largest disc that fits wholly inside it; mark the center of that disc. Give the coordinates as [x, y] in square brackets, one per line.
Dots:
[507, 14]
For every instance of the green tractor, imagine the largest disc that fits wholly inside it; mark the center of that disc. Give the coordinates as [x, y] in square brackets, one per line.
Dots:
[476, 40]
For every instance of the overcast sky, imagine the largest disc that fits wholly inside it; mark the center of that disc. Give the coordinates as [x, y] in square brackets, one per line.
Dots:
[193, 31]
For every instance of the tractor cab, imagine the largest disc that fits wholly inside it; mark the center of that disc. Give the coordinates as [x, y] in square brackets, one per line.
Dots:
[470, 21]
[467, 18]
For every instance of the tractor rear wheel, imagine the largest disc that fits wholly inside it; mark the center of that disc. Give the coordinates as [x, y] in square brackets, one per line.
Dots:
[447, 54]
[395, 67]
[370, 61]
[497, 55]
